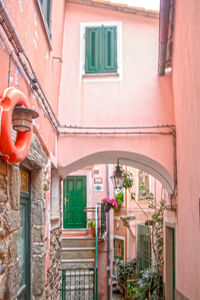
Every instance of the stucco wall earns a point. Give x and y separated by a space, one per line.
140 97
29 26
186 66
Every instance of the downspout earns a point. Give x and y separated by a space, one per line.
108 224
163 34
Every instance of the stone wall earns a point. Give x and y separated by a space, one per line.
45 245
53 275
9 224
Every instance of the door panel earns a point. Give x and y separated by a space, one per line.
23 241
74 202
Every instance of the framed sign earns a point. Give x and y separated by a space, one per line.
98 180
98 187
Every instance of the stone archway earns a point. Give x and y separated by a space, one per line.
136 160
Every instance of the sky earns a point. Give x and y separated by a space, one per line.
148 4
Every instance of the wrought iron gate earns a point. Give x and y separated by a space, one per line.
78 283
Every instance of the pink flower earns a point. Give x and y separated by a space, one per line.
110 202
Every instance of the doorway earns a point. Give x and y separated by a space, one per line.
23 241
170 264
74 202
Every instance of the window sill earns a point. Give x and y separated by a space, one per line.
101 77
45 26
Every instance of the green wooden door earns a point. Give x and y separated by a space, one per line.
23 240
74 202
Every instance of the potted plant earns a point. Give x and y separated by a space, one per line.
109 203
91 225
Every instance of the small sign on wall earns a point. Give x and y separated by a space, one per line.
98 187
98 180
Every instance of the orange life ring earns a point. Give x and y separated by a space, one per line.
11 151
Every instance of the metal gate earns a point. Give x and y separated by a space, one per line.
78 284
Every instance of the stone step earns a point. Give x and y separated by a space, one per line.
77 242
82 253
74 265
76 233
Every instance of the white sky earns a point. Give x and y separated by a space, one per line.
148 4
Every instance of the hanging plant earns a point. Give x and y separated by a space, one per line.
119 197
109 203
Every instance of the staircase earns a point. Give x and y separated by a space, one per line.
78 250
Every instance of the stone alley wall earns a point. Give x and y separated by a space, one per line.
45 246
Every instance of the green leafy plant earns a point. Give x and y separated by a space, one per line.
127 270
119 197
150 285
91 223
131 289
128 179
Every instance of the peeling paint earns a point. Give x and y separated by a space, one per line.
35 39
35 17
21 5
46 56
17 75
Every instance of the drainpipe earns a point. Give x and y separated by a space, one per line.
13 34
108 222
163 34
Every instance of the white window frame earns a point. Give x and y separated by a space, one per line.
103 76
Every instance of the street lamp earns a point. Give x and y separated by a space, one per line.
118 177
22 118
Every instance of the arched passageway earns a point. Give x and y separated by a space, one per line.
135 160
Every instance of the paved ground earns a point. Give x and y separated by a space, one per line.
117 297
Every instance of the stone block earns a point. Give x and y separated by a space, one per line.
15 188
39 249
11 218
2 285
37 185
12 246
36 157
3 247
38 234
38 275
37 213
3 196
2 267
12 281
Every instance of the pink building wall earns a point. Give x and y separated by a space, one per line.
139 97
40 49
185 77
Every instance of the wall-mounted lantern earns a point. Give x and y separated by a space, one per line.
15 113
118 177
22 118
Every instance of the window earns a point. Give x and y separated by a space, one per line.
142 178
101 49
46 10
118 249
143 247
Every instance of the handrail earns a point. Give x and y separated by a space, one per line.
96 241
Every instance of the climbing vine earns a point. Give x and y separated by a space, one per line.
150 284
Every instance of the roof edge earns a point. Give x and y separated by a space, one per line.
118 7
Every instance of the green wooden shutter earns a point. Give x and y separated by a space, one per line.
109 49
92 50
143 248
